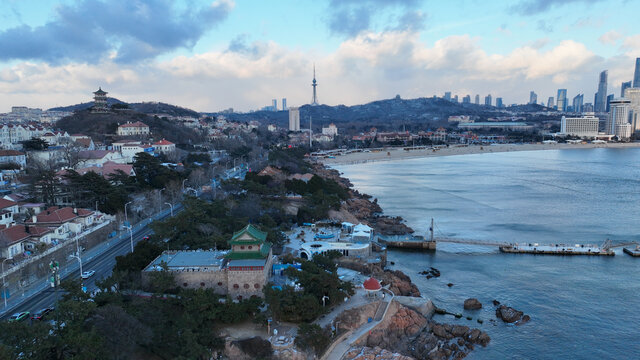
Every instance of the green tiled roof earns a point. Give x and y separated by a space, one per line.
245 242
243 255
253 231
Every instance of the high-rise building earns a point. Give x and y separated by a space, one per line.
477 99
625 86
455 99
584 126
550 103
499 102
601 96
633 95
294 119
487 100
314 84
636 74
466 99
577 103
447 96
562 100
618 119
533 97
587 108
609 98
274 104
284 104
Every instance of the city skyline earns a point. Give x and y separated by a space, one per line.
211 56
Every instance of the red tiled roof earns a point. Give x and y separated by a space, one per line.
10 153
86 142
108 168
163 142
17 233
135 124
4 203
55 215
93 154
372 284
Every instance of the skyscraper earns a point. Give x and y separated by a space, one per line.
487 100
294 119
274 104
466 99
447 96
609 98
618 119
577 103
284 104
533 97
550 103
636 74
633 95
314 84
499 102
625 86
562 100
477 99
601 95
455 99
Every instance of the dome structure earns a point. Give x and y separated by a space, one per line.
372 284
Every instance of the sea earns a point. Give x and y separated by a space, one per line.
581 307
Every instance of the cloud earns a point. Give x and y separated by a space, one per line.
351 17
610 37
533 7
128 30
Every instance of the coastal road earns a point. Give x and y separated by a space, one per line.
102 264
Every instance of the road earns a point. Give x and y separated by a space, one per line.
102 264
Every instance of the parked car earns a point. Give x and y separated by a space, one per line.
40 315
88 274
19 316
146 237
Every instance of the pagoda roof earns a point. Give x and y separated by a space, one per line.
253 231
100 92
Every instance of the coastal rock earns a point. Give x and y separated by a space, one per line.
508 314
404 324
399 283
373 353
354 318
525 319
496 302
391 226
472 304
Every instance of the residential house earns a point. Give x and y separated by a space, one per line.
164 146
107 169
133 129
16 239
64 221
98 157
13 157
129 151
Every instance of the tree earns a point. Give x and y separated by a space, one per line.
312 336
120 331
35 144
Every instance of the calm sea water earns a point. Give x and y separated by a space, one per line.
581 307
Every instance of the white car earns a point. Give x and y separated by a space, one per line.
88 274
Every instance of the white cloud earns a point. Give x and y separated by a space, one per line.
610 37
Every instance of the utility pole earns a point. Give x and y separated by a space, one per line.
310 133
431 230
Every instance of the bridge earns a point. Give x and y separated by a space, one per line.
469 241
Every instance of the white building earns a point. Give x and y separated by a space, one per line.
164 146
618 115
294 119
133 129
331 130
584 126
633 95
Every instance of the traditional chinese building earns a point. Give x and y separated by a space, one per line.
240 273
100 101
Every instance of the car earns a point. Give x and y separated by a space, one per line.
19 316
88 274
40 315
146 237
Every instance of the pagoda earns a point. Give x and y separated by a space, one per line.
100 101
248 246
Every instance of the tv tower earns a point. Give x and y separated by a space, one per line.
314 83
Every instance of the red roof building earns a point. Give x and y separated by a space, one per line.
372 284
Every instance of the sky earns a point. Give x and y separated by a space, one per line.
241 54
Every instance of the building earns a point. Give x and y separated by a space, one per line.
499 102
294 119
550 103
584 126
284 104
625 85
13 157
330 131
533 97
108 169
137 128
447 95
487 100
164 147
636 74
455 99
100 101
16 239
633 95
240 273
601 96
477 100
610 97
509 126
98 157
561 100
577 103
460 119
274 104
618 119
466 99
129 151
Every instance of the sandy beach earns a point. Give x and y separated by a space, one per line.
388 154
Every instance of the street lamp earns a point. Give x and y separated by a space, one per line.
183 184
126 220
4 288
324 298
78 254
170 206
130 236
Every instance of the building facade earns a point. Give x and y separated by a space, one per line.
584 126
133 129
561 100
619 119
601 96
294 119
633 95
100 101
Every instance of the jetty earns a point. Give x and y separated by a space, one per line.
635 252
558 249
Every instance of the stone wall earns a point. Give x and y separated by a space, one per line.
216 280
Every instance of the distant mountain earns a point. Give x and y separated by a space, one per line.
384 113
144 107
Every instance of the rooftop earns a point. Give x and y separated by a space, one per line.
178 260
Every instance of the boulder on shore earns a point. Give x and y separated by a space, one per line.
472 304
509 314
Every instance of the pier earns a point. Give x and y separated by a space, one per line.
635 252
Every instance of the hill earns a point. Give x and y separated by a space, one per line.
143 107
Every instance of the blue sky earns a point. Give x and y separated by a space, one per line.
214 55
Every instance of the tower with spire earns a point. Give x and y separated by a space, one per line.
100 101
314 84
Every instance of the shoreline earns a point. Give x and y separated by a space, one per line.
398 153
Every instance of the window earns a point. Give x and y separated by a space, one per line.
242 247
246 286
257 286
184 284
236 286
250 247
219 283
201 284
